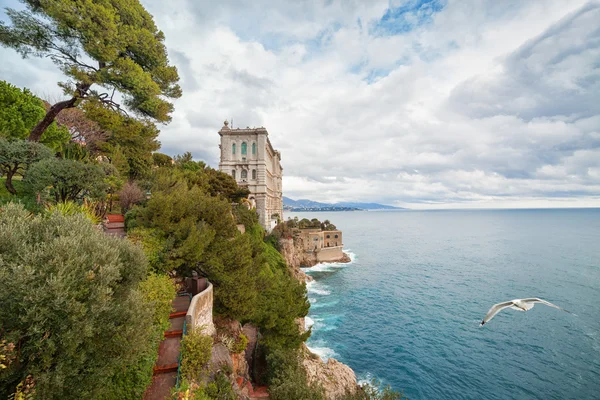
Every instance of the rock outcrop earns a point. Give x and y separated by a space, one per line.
295 257
337 379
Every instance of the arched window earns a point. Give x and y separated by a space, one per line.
233 148
253 148
244 173
233 172
253 174
336 236
328 236
244 148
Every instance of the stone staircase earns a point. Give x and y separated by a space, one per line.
165 370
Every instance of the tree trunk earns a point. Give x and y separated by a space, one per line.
40 128
8 183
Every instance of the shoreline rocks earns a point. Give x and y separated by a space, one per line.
336 378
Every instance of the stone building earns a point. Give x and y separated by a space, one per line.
248 156
325 245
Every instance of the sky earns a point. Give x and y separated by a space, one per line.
413 103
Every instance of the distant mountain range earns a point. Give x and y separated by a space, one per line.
309 205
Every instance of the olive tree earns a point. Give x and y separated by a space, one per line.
67 180
16 157
71 304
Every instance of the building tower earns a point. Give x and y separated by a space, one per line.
248 156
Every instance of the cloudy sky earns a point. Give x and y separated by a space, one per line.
423 104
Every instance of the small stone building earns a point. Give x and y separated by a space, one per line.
327 245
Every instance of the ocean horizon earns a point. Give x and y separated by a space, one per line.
406 309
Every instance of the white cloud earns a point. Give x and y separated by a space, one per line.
477 104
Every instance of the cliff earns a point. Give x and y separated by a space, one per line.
336 378
295 257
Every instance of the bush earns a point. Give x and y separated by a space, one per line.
287 377
158 292
240 344
68 180
71 208
154 245
131 381
17 156
130 195
220 388
196 350
70 303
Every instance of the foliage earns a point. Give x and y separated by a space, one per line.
20 111
220 388
71 208
161 160
281 299
154 245
222 184
7 354
74 151
17 156
190 391
196 351
130 382
81 317
67 180
240 344
114 45
158 291
372 391
24 196
130 195
81 128
287 377
188 226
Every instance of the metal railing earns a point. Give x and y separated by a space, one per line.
180 358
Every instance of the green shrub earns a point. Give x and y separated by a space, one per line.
158 292
287 377
67 179
81 317
240 344
196 350
220 388
154 245
16 157
71 208
132 380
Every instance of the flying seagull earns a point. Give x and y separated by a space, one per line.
517 304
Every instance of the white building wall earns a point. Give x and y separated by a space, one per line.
266 189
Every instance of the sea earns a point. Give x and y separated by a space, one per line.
406 310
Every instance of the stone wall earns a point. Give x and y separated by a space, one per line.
330 254
199 314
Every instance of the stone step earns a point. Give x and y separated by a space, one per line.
160 389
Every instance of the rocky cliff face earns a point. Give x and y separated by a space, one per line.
337 379
295 257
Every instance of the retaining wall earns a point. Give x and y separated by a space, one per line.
199 314
327 254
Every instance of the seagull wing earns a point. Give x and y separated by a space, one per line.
534 300
496 308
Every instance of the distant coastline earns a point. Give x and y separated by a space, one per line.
306 209
310 205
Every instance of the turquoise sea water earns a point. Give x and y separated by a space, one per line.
406 310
